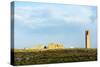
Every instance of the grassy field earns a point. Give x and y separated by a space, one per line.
47 56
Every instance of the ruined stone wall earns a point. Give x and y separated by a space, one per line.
55 46
40 46
50 46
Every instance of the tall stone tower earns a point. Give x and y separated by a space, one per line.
87 39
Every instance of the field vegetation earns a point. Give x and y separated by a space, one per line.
47 56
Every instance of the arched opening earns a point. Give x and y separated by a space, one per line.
45 47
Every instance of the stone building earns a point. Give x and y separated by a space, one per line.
50 46
55 46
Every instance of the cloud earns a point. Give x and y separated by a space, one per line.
77 19
42 15
81 15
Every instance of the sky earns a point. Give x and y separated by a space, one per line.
44 23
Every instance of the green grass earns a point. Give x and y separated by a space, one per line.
46 56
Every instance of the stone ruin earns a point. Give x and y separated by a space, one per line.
50 46
55 46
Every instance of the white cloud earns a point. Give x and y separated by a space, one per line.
72 47
40 16
75 19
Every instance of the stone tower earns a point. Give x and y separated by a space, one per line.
87 39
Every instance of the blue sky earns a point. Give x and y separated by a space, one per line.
43 23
